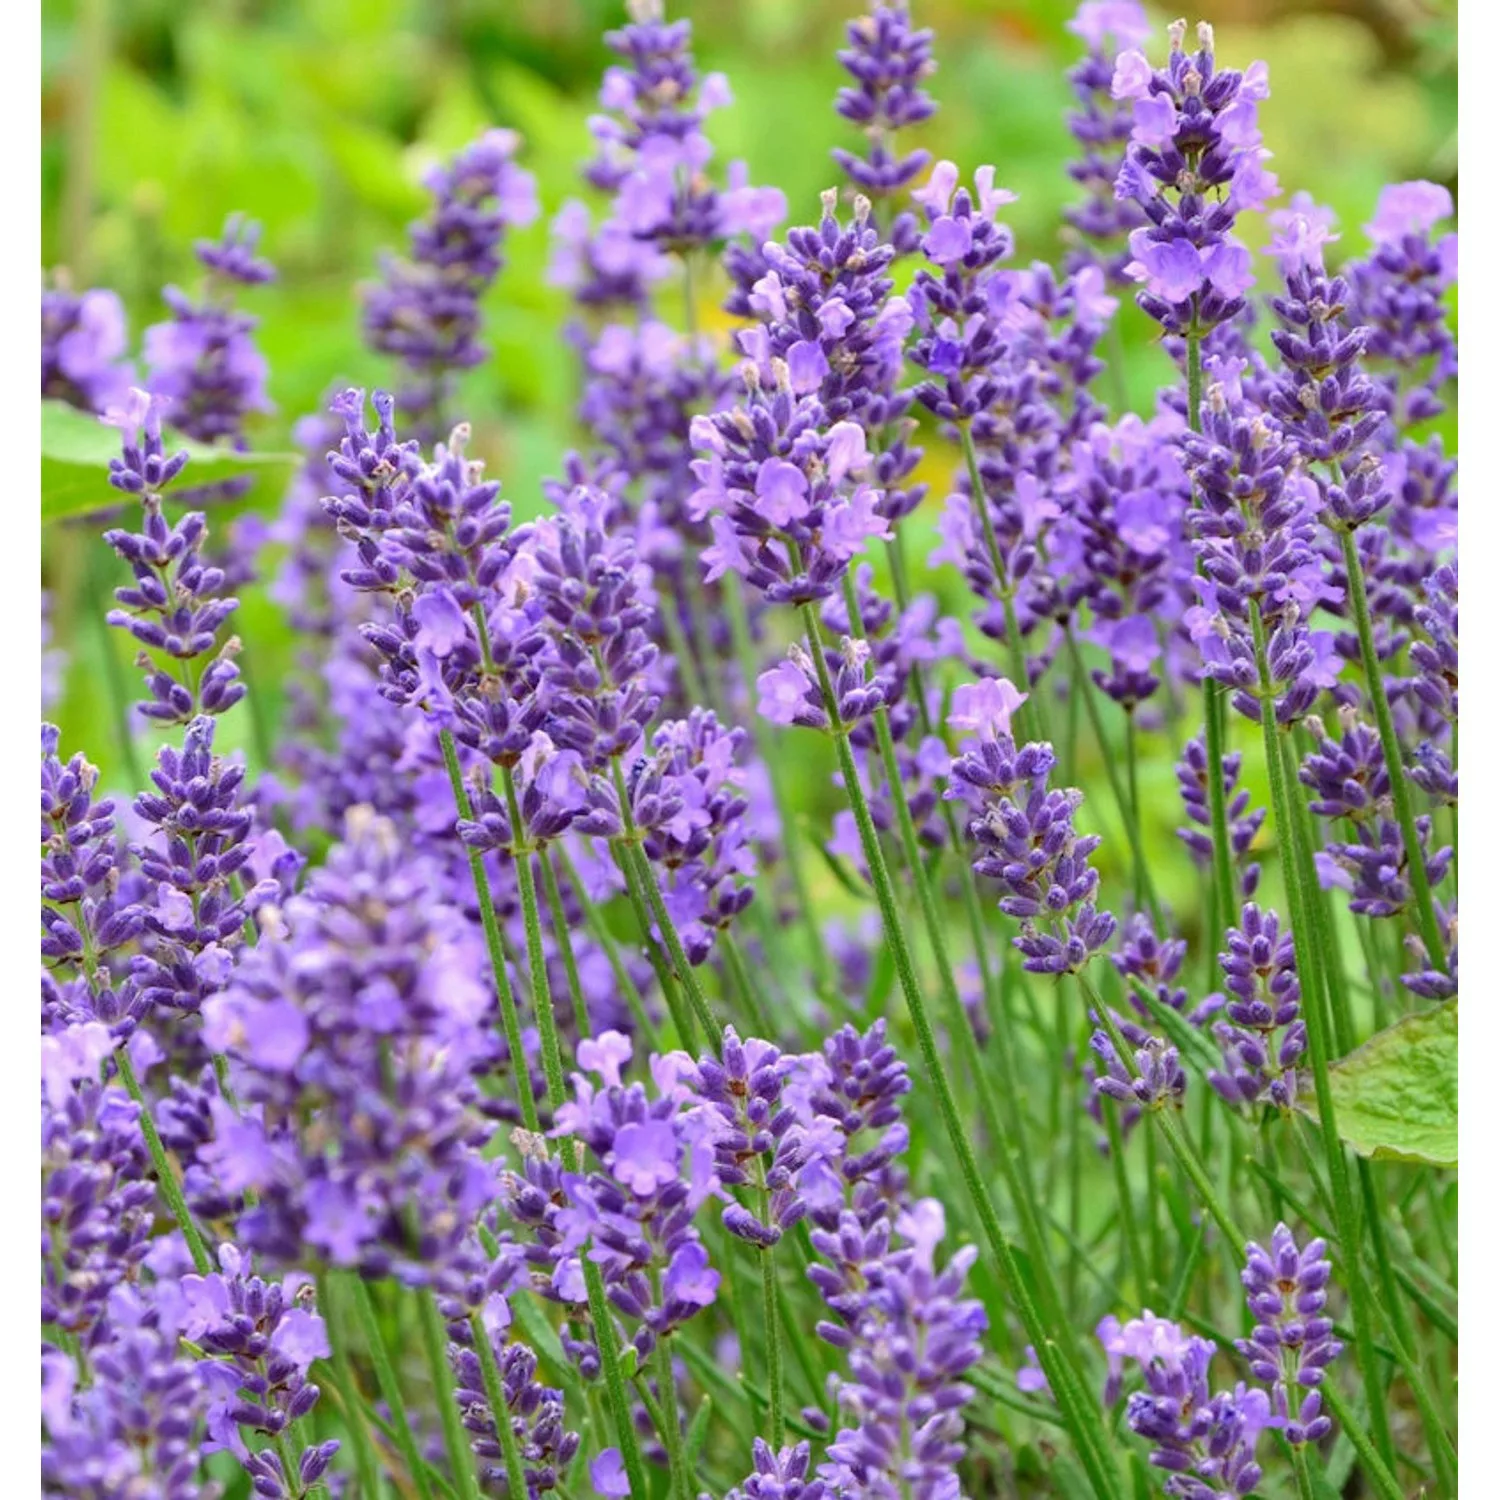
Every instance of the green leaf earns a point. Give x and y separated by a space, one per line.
1396 1098
77 448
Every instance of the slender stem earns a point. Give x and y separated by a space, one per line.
770 1310
536 958
558 916
748 986
1302 1471
1416 864
455 1439
824 976
614 1378
980 503
670 1424
599 931
1376 1469
508 1015
166 1172
390 1387
1127 1203
682 1021
1126 803
1311 974
683 970
114 683
494 1390
1213 692
1218 811
1079 1412
366 1460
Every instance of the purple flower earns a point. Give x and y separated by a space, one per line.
909 1338
83 348
395 1011
1024 838
607 1475
261 1338
425 311
889 60
91 916
1292 1342
176 605
1210 1438
1408 208
1192 164
1398 293
203 362
1263 1037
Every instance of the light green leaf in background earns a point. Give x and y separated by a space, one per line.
77 448
1396 1098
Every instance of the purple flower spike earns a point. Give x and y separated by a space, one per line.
1263 1036
889 60
83 347
1399 293
1209 1440
780 1476
176 606
1194 162
1024 834
1102 125
425 311
1292 1343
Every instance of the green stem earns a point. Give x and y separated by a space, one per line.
114 683
614 1379
1302 1471
1218 811
1376 1469
599 931
508 1015
770 1310
390 1387
746 983
1126 804
683 971
1311 975
1127 1203
494 1390
1416 864
536 958
682 1021
670 1424
558 916
455 1439
166 1172
1013 642
366 1460
1078 1410
824 975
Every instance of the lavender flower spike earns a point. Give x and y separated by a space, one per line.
1292 1343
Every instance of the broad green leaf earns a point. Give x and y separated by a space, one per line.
77 448
1396 1098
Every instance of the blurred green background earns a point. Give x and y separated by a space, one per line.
319 118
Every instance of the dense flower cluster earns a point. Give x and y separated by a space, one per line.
522 839
424 311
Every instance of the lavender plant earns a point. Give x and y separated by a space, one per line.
697 1000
